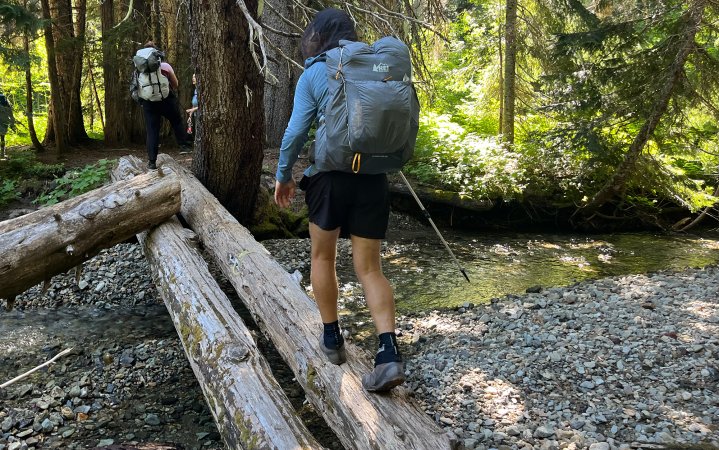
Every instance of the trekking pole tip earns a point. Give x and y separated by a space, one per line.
465 275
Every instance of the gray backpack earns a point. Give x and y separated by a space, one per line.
148 81
372 115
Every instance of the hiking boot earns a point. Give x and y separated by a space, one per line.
151 165
185 149
336 357
384 377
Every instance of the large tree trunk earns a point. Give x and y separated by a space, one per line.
124 123
617 183
36 246
280 306
228 144
278 96
248 405
68 39
29 94
56 119
510 58
115 129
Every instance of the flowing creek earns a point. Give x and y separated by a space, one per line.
423 274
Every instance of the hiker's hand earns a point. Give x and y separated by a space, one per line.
284 193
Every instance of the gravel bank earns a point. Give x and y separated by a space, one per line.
625 362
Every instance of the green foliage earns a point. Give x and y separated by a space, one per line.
8 192
607 73
474 166
17 172
77 182
465 76
23 164
15 20
12 78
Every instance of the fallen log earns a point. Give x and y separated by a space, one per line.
442 197
361 420
51 240
249 407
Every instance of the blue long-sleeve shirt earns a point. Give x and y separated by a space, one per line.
309 104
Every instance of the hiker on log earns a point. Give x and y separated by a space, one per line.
341 204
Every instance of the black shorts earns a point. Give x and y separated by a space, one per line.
356 203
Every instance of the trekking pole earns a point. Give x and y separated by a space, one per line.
431 222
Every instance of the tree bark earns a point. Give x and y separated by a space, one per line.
68 37
279 96
124 123
510 57
56 119
248 405
228 144
617 183
36 246
280 306
114 127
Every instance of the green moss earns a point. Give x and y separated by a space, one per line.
248 439
192 335
272 222
311 376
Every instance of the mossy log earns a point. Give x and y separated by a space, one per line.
51 240
433 195
247 403
286 314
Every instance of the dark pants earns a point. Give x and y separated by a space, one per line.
154 112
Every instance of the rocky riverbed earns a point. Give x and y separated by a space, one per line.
622 362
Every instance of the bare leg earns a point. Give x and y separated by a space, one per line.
323 274
377 290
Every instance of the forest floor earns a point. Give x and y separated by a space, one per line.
93 152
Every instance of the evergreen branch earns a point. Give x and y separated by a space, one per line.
589 18
617 183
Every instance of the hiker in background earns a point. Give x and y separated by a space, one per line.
340 204
156 91
192 112
7 122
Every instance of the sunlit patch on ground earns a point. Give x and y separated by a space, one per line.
578 261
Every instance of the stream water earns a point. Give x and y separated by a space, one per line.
426 277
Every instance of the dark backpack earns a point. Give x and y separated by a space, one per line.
371 119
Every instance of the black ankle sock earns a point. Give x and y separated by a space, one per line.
388 349
332 336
